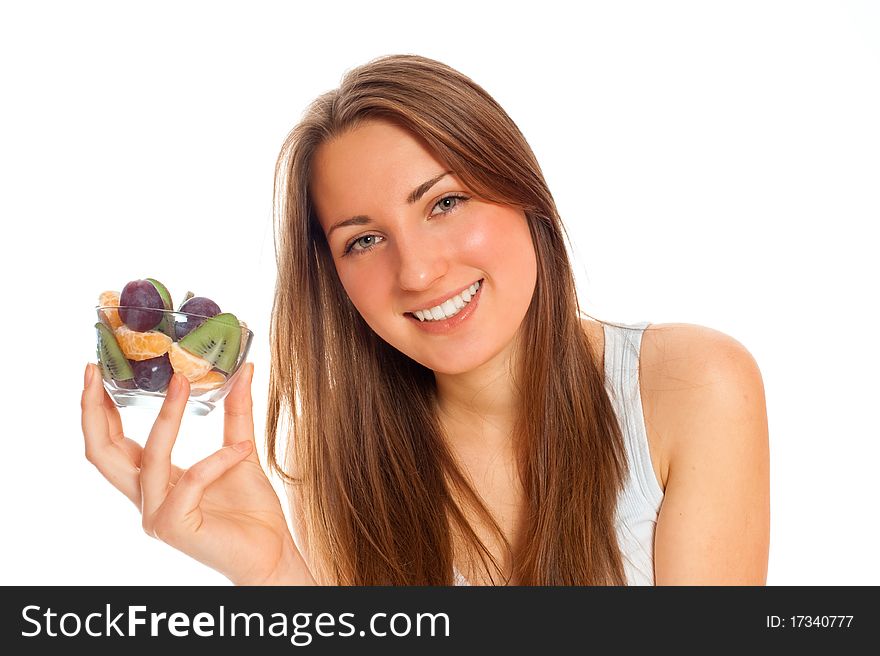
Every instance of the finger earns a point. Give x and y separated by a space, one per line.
183 501
95 427
238 409
114 464
156 458
113 419
132 448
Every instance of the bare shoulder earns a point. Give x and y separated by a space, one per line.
690 348
691 374
705 411
682 368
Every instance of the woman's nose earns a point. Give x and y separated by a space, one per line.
420 262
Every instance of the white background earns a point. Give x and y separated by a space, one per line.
715 163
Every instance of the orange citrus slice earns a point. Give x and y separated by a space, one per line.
187 364
142 346
211 380
111 314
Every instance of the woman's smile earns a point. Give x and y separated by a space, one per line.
448 305
451 314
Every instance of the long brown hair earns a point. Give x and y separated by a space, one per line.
364 455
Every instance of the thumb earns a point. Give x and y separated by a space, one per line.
238 408
184 498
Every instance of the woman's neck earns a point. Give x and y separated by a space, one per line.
479 405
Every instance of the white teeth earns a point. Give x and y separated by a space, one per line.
450 307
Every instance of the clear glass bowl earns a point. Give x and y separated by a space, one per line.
142 380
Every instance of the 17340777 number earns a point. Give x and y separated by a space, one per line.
810 621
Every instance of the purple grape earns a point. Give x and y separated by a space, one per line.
140 294
200 305
152 375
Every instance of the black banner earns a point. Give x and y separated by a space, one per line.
434 620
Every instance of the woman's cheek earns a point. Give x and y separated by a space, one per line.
361 288
501 241
478 242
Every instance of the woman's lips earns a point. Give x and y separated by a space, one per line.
446 325
440 300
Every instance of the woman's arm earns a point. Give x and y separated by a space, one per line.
714 523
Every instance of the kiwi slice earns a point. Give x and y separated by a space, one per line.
113 362
218 340
166 325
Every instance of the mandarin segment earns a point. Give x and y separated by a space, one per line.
187 364
109 300
139 346
211 380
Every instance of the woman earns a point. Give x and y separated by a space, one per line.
438 408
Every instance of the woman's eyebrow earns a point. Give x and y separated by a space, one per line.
420 191
413 197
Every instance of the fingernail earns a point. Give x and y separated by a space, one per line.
242 446
87 377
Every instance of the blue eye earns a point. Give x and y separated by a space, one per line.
454 197
350 247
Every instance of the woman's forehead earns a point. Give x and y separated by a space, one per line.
368 165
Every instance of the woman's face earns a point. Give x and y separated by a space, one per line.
406 238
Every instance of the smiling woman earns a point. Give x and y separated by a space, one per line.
447 410
439 409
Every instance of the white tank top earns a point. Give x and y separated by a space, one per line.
639 502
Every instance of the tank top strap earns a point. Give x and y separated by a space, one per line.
622 353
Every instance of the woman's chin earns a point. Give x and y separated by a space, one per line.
452 364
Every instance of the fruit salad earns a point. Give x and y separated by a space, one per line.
142 340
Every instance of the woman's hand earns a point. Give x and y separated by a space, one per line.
222 511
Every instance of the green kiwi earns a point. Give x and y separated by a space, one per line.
166 325
113 362
218 340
